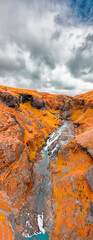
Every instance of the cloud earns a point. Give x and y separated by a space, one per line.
81 62
47 45
56 35
90 38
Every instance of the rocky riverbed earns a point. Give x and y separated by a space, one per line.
38 219
46 165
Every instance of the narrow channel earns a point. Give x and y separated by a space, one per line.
42 188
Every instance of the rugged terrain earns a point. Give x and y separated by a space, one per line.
26 120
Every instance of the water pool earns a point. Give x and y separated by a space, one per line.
39 236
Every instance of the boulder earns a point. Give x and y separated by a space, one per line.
14 164
37 103
24 97
9 100
89 177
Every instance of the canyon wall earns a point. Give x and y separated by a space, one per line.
26 120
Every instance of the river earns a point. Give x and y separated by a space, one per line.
40 212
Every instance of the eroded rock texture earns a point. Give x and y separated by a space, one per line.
73 181
26 120
89 177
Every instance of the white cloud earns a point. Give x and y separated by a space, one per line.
45 47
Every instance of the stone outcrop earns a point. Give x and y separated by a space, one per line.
89 177
14 157
26 120
6 231
72 193
73 180
37 103
23 130
85 140
9 99
23 98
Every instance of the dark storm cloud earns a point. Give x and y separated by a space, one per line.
61 85
81 62
56 35
90 38
39 50
78 64
8 66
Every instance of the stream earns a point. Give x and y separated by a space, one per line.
38 217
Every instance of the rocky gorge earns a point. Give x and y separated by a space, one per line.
46 165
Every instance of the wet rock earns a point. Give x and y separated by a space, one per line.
90 213
89 177
66 115
25 98
37 103
55 152
21 135
67 108
64 137
9 99
52 146
17 235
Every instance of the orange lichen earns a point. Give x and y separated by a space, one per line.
6 231
70 189
76 114
23 131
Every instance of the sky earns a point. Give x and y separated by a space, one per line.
47 45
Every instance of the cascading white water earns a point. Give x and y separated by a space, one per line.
40 223
42 189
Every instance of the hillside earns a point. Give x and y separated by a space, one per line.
26 120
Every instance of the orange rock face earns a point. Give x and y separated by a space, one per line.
26 120
25 124
72 183
6 231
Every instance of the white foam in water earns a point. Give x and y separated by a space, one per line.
40 223
52 138
28 224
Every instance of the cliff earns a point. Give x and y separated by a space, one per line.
73 182
26 120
